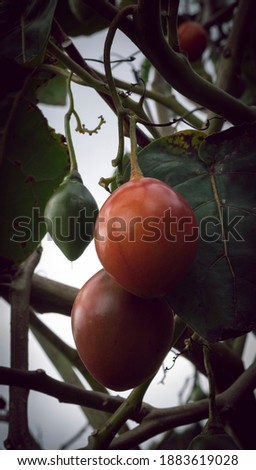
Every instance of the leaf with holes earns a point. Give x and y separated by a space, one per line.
217 176
34 162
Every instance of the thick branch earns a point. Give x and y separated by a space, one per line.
52 296
19 436
229 67
41 382
227 368
153 420
173 67
177 71
161 420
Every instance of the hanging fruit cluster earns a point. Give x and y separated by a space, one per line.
146 237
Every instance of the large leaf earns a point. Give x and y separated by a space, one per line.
76 18
25 27
34 162
217 176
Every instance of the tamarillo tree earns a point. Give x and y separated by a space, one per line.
176 236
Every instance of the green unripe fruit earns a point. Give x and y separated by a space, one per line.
70 216
208 440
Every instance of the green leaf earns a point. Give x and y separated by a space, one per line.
52 90
76 18
34 162
217 176
25 29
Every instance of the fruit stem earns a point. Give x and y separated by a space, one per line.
68 115
135 168
117 162
121 111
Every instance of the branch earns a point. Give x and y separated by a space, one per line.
90 76
177 71
174 67
51 296
19 436
227 368
229 67
161 420
48 295
39 381
67 351
153 420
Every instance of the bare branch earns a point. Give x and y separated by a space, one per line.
160 420
41 382
153 420
19 436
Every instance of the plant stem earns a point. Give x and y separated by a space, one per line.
106 55
117 162
75 67
135 169
68 115
173 8
73 60
111 83
229 68
100 439
169 101
213 413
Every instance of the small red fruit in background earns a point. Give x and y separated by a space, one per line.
192 39
121 339
146 237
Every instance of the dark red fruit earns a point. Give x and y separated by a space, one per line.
146 237
121 339
192 39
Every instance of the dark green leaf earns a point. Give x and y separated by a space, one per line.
34 162
76 18
217 176
25 30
